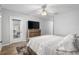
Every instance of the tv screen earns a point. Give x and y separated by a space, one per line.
33 25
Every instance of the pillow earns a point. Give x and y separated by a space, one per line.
76 43
67 43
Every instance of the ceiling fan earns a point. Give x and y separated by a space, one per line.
44 11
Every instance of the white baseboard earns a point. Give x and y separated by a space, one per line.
16 41
12 42
6 44
0 48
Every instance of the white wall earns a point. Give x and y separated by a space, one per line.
0 31
6 28
0 24
46 25
66 23
0 27
7 15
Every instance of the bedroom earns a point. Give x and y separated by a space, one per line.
55 21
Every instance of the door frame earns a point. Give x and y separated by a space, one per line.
12 40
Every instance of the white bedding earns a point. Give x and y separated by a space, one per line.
44 45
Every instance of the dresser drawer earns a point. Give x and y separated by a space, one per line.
33 33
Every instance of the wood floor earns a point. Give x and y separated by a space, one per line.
11 49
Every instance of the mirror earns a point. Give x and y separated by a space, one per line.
16 28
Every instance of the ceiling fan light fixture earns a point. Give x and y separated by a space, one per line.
44 13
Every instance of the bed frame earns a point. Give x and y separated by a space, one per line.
30 51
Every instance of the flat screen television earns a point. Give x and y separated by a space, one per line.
33 25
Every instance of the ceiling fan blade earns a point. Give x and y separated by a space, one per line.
33 11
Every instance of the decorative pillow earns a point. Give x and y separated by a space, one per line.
67 43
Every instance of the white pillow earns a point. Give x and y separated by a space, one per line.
67 43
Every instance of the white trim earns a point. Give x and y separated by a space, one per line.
12 42
0 46
16 41
6 44
0 49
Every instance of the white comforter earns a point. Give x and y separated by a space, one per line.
44 45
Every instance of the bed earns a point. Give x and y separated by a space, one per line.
47 45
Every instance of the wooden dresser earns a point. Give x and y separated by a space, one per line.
34 32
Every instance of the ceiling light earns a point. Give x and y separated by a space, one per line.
44 13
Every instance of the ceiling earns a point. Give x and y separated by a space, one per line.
36 8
